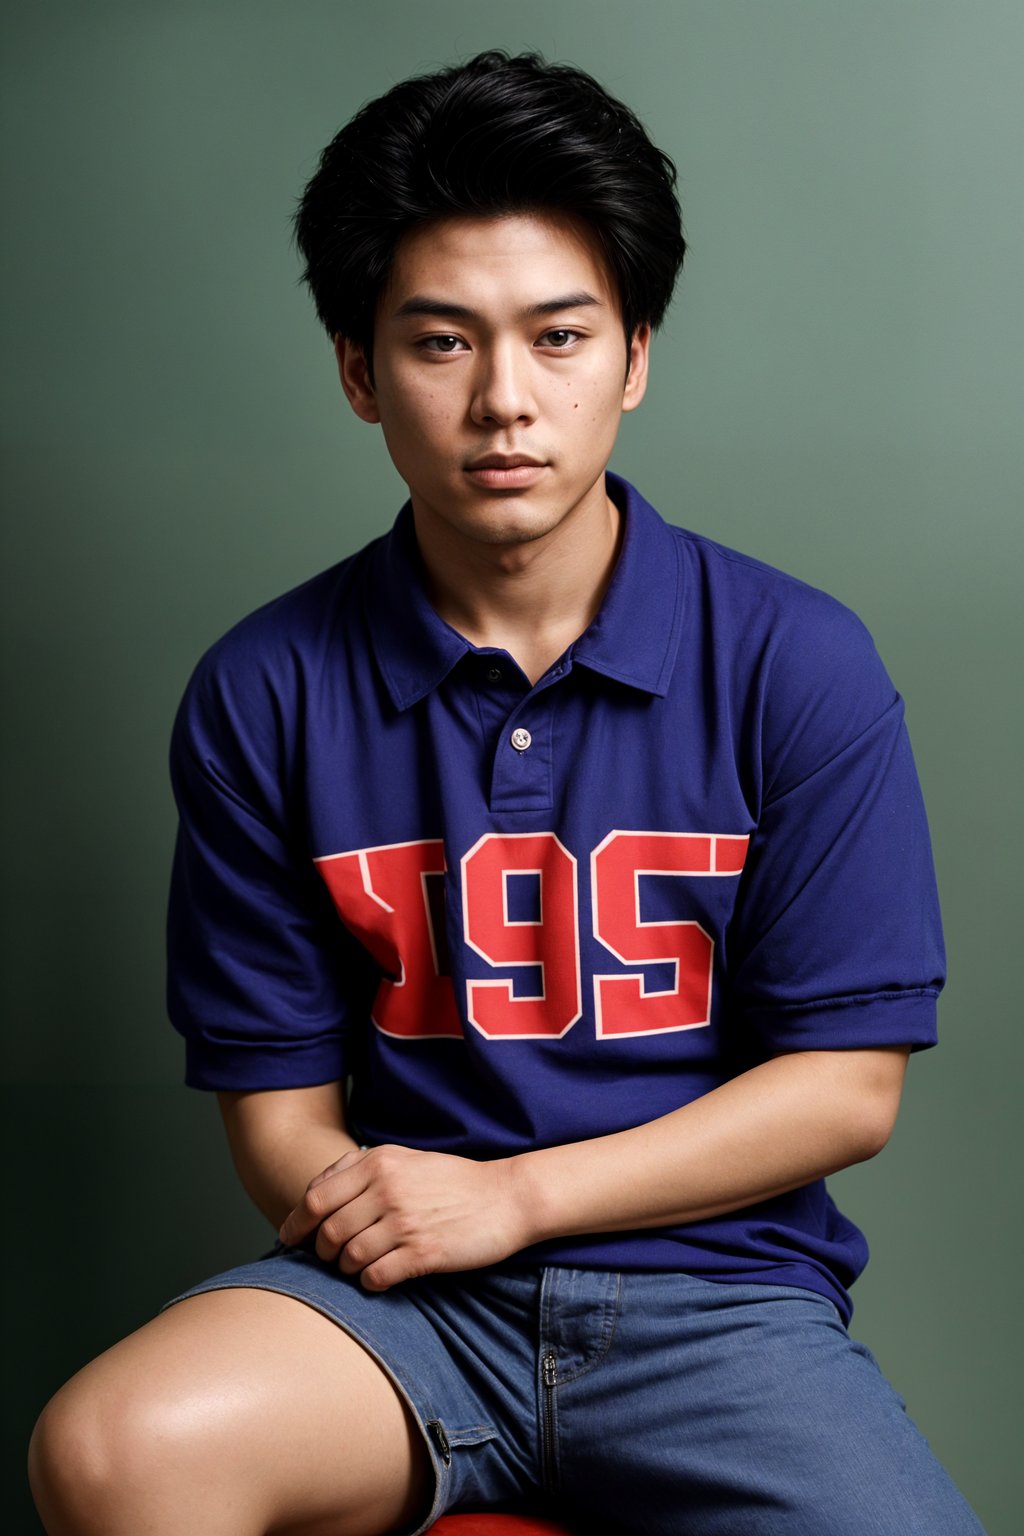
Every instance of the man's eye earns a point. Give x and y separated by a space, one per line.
559 339
440 343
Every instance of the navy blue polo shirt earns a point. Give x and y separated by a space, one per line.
517 916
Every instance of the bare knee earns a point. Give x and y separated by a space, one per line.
102 1454
69 1462
236 1411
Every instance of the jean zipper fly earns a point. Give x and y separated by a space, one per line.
549 1366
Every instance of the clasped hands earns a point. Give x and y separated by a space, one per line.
391 1213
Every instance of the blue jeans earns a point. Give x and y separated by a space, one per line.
646 1403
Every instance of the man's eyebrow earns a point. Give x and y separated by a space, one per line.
446 309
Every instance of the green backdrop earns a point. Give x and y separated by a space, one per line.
837 391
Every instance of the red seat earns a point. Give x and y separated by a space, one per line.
485 1524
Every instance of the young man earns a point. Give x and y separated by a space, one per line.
592 854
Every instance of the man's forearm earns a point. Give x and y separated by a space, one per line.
281 1139
392 1213
779 1126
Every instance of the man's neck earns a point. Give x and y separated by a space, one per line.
531 599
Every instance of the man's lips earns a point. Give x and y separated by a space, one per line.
503 461
505 471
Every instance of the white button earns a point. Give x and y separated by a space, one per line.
521 739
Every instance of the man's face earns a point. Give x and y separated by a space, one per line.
497 340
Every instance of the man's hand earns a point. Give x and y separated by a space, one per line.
393 1213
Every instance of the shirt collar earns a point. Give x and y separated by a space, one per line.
633 639
635 636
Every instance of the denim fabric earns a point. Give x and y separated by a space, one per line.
647 1403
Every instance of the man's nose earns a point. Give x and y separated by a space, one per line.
503 392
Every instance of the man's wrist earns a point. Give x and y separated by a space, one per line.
529 1198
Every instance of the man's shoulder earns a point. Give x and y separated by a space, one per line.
747 575
727 584
250 683
781 648
763 608
801 660
297 627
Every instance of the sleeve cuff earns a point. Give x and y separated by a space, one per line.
241 1067
850 1023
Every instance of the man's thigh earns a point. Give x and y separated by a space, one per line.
236 1409
703 1409
459 1350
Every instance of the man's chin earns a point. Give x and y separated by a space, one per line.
511 531
506 519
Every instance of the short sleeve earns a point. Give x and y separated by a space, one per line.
837 939
264 983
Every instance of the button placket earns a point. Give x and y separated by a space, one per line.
521 777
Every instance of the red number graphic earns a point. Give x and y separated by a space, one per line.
381 895
622 1004
551 942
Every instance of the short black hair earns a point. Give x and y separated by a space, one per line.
496 135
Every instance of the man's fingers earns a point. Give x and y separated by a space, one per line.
382 1275
324 1195
337 1167
394 1266
349 1223
372 1247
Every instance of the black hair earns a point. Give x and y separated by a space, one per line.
496 135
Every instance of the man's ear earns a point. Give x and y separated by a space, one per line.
355 378
636 379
